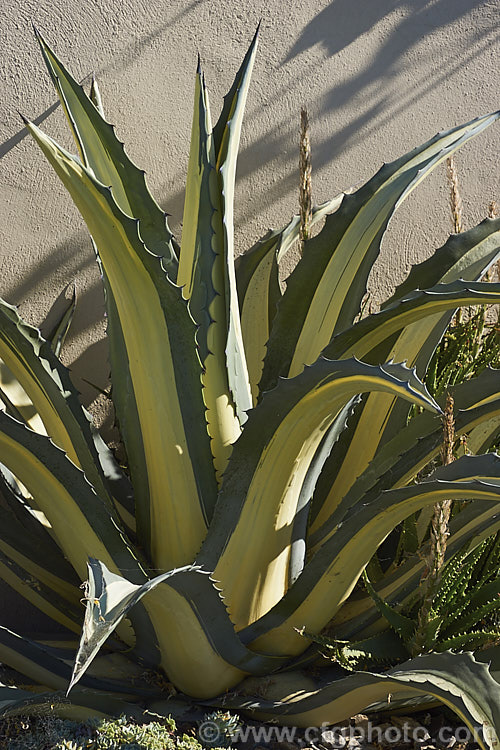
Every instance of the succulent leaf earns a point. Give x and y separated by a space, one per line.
458 680
361 339
55 327
103 154
257 275
202 278
415 447
262 483
173 605
330 575
462 257
47 384
80 519
174 461
227 139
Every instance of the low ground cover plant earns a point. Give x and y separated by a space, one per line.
52 733
269 451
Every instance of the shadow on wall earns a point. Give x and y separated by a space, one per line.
372 85
344 21
334 29
126 58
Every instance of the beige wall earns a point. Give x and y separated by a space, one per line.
378 77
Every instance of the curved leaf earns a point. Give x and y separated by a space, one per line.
191 625
464 256
46 382
15 702
468 256
262 484
80 520
359 617
42 594
457 680
400 460
44 666
298 542
26 541
330 576
365 336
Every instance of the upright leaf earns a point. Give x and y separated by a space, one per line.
173 476
104 155
257 276
58 321
201 276
227 140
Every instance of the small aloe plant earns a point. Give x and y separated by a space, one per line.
259 481
464 615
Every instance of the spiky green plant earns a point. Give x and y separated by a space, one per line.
260 482
465 614
472 343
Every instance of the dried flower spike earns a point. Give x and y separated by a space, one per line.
305 178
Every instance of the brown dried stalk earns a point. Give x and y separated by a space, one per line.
447 456
305 179
438 538
455 197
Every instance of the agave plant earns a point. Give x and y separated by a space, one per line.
259 482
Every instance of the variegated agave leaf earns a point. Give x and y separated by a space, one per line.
458 680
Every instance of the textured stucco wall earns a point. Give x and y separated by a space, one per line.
378 77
